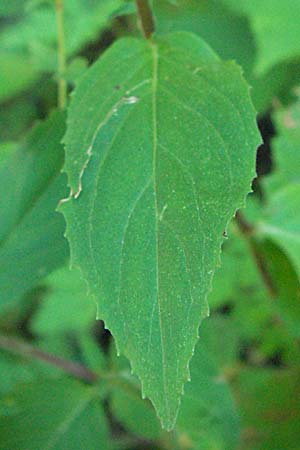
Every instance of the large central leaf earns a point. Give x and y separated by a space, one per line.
160 153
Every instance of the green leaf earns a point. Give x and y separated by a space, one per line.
17 116
286 282
16 74
75 69
281 222
219 24
13 7
91 351
20 368
286 147
31 232
135 414
208 417
269 402
6 148
274 84
266 325
236 257
213 22
65 414
160 153
29 45
275 25
13 372
66 306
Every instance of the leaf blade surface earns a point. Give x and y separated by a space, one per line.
155 174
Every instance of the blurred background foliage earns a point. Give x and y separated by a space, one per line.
62 385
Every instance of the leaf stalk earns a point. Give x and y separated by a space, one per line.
248 231
61 54
23 349
146 18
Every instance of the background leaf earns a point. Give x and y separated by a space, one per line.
275 26
29 44
71 407
281 220
31 232
269 408
212 21
66 306
208 417
245 372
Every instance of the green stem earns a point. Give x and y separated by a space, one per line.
145 17
62 85
20 348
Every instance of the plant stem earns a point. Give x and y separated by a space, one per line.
145 17
133 442
20 348
248 232
23 349
61 53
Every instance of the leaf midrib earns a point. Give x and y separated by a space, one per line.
154 162
69 420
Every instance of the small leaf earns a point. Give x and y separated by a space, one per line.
208 417
286 284
17 117
160 153
269 402
64 413
31 232
215 23
16 74
136 414
275 25
13 7
29 44
282 222
285 147
219 24
66 306
228 289
276 83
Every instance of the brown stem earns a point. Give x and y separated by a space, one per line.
248 231
145 16
61 53
23 349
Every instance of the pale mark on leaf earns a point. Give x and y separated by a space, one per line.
198 69
108 116
134 88
161 215
131 100
125 100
